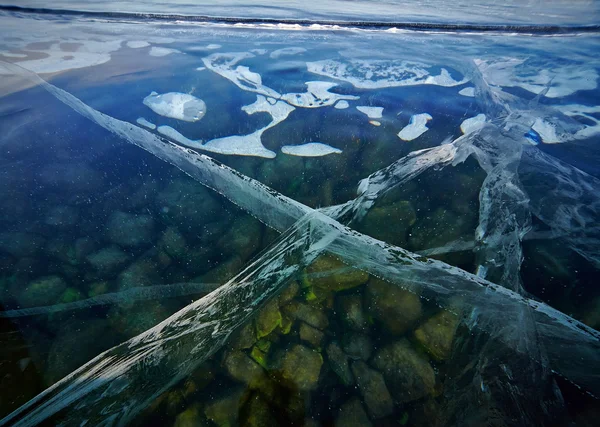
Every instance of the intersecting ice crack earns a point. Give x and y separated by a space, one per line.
140 369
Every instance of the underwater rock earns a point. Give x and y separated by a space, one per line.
191 417
243 238
436 335
71 177
373 389
62 216
70 295
97 288
75 344
173 243
133 320
397 309
269 318
224 409
242 368
389 223
21 245
352 414
223 272
329 273
357 346
62 250
244 338
142 272
311 335
107 261
257 412
42 291
288 293
188 205
83 247
338 361
438 228
351 313
301 366
408 375
306 313
130 230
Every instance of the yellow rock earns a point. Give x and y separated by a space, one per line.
327 272
437 334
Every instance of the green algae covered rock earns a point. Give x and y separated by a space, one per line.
437 334
70 295
329 273
191 417
408 375
352 414
397 309
338 362
224 409
42 291
389 223
311 335
269 318
173 243
351 313
301 366
257 412
306 313
242 368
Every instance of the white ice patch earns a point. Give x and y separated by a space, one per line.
341 105
200 68
239 145
375 122
563 80
137 44
590 113
259 51
472 124
242 77
311 149
547 131
85 54
143 122
162 51
371 112
415 128
13 55
468 91
317 95
376 74
176 105
213 46
287 51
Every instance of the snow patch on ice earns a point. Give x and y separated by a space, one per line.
311 149
371 112
143 122
287 51
377 74
176 105
468 91
213 46
562 80
13 55
375 122
472 124
590 113
317 95
137 44
341 105
415 128
259 51
162 51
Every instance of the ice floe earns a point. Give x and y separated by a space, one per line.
468 91
317 95
137 44
371 112
162 51
143 122
341 105
176 105
472 124
415 128
287 51
562 80
590 113
376 74
311 149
